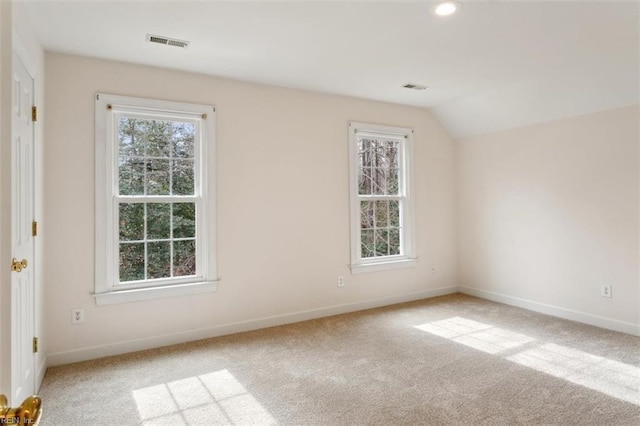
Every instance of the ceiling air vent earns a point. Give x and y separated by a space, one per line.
414 86
167 41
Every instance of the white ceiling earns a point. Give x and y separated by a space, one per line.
492 66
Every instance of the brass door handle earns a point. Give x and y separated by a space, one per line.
28 413
18 265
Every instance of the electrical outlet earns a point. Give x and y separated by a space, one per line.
77 316
340 281
605 290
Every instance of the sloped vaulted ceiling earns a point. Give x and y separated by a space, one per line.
492 66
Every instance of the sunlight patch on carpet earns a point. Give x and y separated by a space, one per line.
613 378
213 398
477 335
610 377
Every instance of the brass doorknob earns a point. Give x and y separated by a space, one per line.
28 413
18 265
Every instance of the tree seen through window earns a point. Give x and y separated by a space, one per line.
378 191
156 177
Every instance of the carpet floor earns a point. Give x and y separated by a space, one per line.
451 360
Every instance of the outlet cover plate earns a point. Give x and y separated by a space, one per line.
605 291
77 316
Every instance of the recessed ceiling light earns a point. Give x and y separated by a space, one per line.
446 8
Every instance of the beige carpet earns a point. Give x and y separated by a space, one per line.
453 360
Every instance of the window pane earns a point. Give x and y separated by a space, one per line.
381 214
159 259
366 214
157 135
364 152
394 241
147 148
380 155
156 157
382 242
364 181
379 181
183 173
380 219
131 176
378 167
394 214
158 177
367 243
158 221
184 258
392 186
130 137
131 262
184 220
391 153
183 140
131 221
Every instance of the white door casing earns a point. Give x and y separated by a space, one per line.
22 240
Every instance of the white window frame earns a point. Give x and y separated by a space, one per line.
406 258
107 289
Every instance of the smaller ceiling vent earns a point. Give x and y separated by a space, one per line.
414 86
167 41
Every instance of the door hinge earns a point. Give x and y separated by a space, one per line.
34 113
35 345
34 229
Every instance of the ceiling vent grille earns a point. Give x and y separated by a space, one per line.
414 86
167 41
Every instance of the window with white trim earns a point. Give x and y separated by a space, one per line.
381 206
155 209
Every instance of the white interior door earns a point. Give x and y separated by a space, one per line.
22 241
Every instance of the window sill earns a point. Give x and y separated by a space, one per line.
359 268
141 294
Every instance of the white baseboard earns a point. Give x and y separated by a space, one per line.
88 353
40 372
556 311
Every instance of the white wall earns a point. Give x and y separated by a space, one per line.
283 218
548 213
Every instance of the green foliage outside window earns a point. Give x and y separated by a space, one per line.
379 177
157 239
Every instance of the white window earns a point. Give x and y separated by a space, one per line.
155 200
381 208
